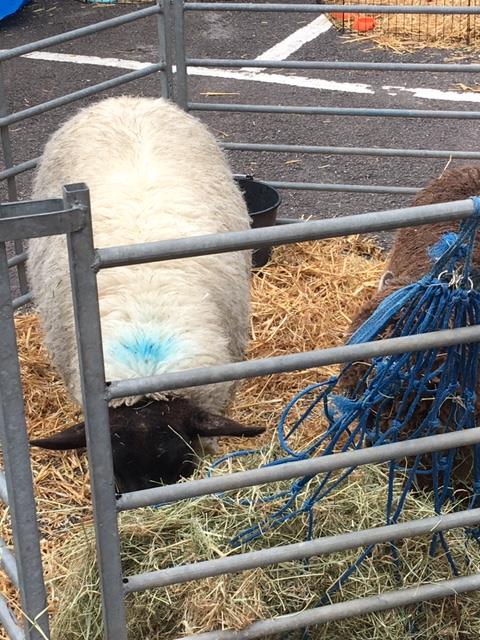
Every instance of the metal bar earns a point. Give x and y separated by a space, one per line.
18 474
181 65
231 63
8 563
68 36
299 551
95 409
348 609
18 168
354 151
301 232
9 622
77 95
292 362
11 182
30 207
289 470
20 257
165 47
3 489
345 188
326 8
287 221
334 111
37 225
5 138
21 301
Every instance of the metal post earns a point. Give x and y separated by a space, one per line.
18 474
165 44
95 408
181 85
11 182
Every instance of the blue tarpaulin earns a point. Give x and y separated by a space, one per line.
7 7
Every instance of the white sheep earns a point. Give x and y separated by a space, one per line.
154 173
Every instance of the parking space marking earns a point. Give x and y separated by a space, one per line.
294 41
423 93
117 63
269 78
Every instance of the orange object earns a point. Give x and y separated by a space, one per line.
363 23
343 17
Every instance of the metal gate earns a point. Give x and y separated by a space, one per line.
71 216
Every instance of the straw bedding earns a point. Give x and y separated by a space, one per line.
304 299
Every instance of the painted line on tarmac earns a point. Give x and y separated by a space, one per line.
422 93
294 41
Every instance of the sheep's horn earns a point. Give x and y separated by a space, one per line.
71 438
209 424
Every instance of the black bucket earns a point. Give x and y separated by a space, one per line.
262 203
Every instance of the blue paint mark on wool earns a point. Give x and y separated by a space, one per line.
143 351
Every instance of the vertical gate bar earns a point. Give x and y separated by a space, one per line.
95 408
164 27
181 85
11 181
18 473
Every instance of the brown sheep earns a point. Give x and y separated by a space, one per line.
408 262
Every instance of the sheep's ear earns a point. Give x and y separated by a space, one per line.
209 425
71 438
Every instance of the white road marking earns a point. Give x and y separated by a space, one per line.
117 63
294 41
435 94
422 93
289 81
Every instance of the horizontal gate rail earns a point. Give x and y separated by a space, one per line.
353 151
318 64
81 93
334 111
345 188
67 36
325 8
292 362
18 168
17 259
58 222
290 470
299 551
348 609
26 298
303 231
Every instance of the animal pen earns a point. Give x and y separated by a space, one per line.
71 216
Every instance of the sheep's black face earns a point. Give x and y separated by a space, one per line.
153 443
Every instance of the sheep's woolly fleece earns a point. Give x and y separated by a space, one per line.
154 173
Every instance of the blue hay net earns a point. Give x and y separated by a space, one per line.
395 397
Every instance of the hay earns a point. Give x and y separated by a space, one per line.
200 530
304 299
407 32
